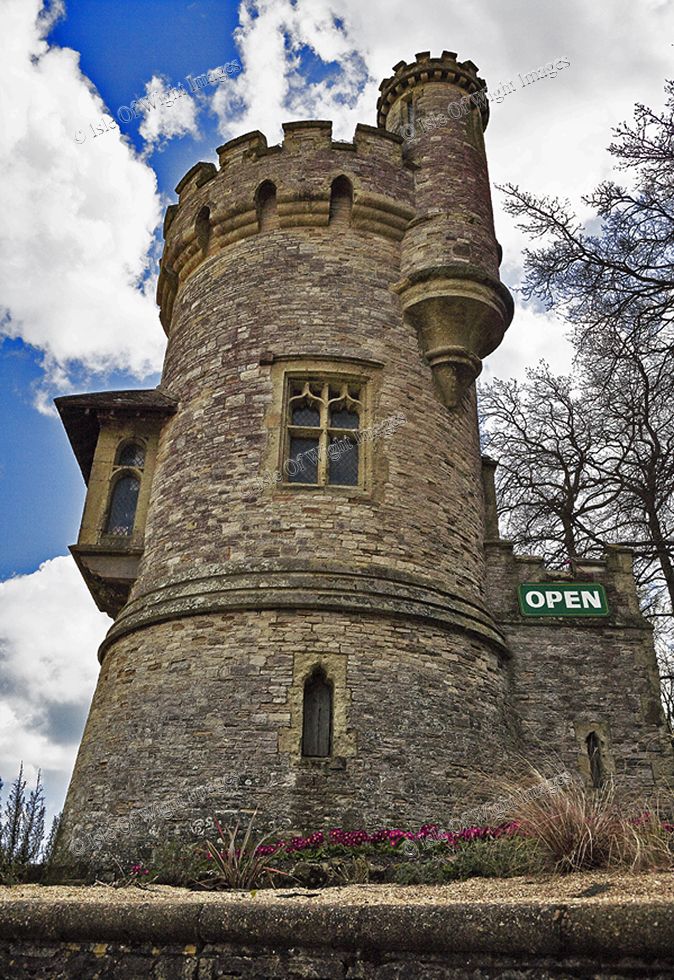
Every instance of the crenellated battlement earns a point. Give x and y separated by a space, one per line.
218 208
424 69
508 570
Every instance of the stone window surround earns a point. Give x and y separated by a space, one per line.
284 369
334 666
118 472
106 471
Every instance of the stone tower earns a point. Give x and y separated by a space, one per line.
290 531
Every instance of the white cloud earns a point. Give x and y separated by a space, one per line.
168 111
532 336
50 631
274 86
78 218
549 137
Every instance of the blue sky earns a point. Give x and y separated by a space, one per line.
42 488
80 235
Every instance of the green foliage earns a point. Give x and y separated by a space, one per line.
235 862
329 872
505 857
21 829
176 862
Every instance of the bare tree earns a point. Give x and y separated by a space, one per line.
589 459
623 276
543 433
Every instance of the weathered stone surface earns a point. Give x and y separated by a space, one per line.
41 939
246 584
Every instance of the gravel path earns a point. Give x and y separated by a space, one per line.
590 887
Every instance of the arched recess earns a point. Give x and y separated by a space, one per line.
341 202
265 205
202 228
594 754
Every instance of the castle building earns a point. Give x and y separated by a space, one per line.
295 533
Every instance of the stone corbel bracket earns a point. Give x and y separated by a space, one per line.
460 316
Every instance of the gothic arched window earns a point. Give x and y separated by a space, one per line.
593 744
123 503
131 454
323 444
317 716
341 201
265 205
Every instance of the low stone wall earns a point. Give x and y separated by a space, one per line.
206 938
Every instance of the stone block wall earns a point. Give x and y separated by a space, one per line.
573 676
213 701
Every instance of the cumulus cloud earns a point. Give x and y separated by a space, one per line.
79 212
549 136
280 42
49 633
168 111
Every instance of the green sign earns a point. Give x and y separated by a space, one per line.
562 599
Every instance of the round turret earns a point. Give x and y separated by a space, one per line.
449 288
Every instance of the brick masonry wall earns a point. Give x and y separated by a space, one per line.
454 221
210 961
320 292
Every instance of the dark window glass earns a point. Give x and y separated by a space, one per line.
343 418
304 413
343 461
132 454
302 464
317 716
596 764
123 506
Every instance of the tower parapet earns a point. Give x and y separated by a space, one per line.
302 170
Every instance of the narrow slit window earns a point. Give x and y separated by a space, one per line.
341 201
593 744
323 438
265 201
202 228
317 716
410 112
123 503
